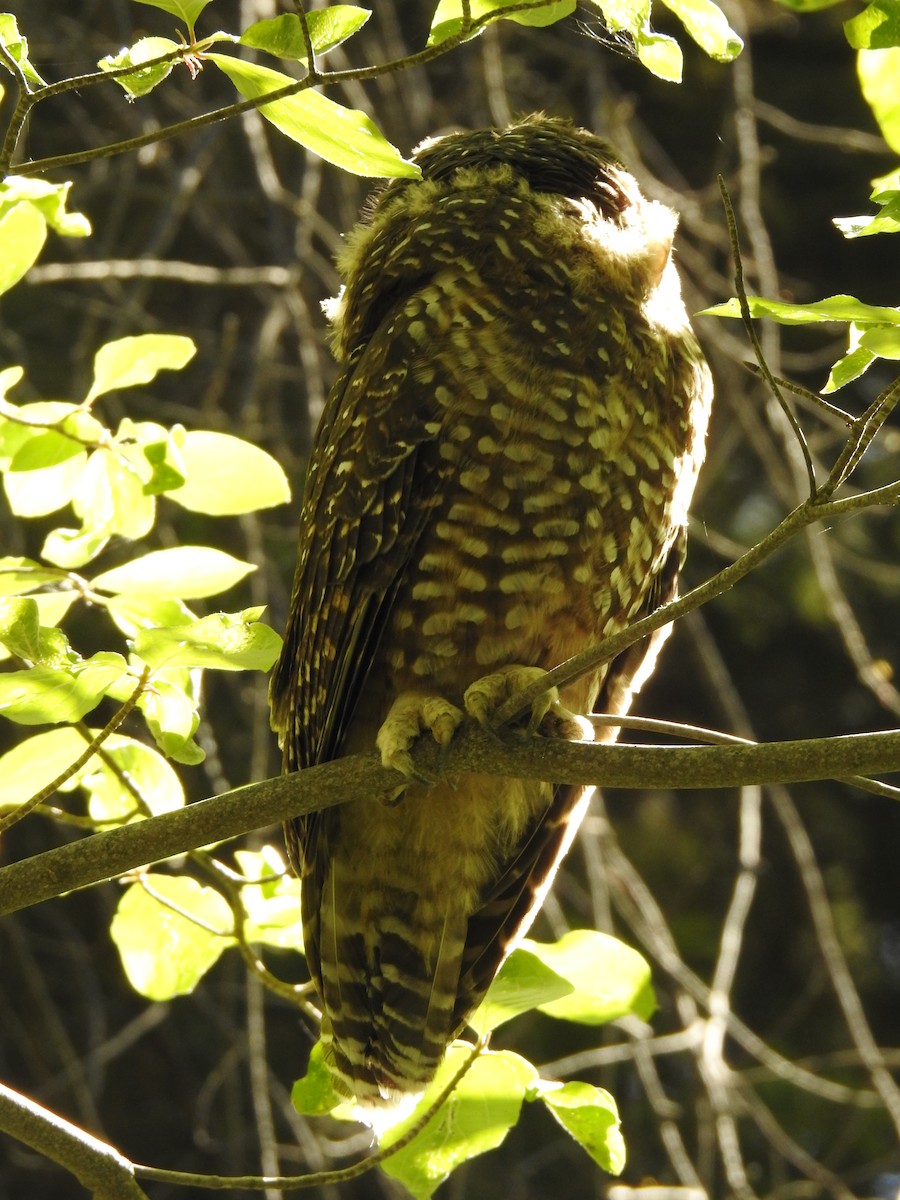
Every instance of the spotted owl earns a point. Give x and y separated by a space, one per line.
501 476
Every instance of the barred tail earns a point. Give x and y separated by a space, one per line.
390 981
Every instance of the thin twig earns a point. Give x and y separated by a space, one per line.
74 767
789 413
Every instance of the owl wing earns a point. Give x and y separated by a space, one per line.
374 478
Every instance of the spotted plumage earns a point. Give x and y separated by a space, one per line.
500 477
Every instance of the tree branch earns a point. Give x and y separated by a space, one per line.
99 1167
115 851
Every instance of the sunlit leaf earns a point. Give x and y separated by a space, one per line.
19 575
226 475
164 952
37 493
475 1119
131 361
37 761
188 572
273 905
708 26
144 79
170 710
448 18
49 199
883 340
848 368
223 641
328 27
590 1115
314 1094
808 5
521 984
186 10
876 27
132 613
661 55
17 48
22 635
878 72
136 766
343 136
48 695
73 548
834 308
44 450
608 978
23 232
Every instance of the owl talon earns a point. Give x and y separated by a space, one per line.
410 715
548 714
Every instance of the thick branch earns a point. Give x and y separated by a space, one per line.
116 851
99 1167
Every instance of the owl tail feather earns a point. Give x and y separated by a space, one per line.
392 1017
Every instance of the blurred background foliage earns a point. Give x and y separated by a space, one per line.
228 236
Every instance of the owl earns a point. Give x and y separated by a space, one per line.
501 476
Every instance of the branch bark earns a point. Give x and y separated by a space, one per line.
115 851
100 1168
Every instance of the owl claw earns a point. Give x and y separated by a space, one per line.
410 715
548 714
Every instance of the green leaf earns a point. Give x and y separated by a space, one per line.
886 194
22 635
883 340
17 47
223 641
9 377
37 761
590 1115
143 79
225 475
132 613
876 27
44 450
808 5
109 797
343 136
169 931
448 18
170 710
132 361
186 10
23 232
168 470
848 368
833 308
476 1118
19 575
661 55
49 199
70 548
49 695
708 26
110 497
186 572
37 493
879 71
273 905
521 984
328 27
314 1094
608 978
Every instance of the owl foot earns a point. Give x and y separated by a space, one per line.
548 714
411 714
